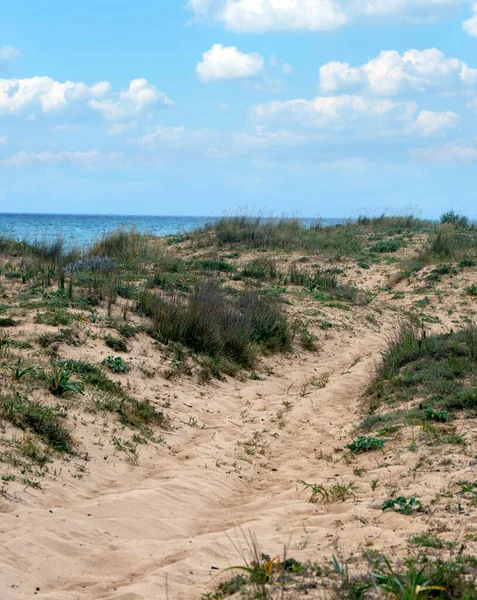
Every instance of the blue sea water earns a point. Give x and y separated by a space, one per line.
81 230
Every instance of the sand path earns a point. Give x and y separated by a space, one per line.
160 529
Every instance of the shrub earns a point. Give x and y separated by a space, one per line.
93 264
472 290
386 246
215 265
439 416
213 323
115 344
56 317
455 219
124 290
260 268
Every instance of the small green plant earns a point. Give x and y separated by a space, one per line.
60 383
116 364
439 416
19 369
130 450
7 322
471 290
426 541
115 344
365 444
338 492
387 246
56 317
94 317
402 505
469 491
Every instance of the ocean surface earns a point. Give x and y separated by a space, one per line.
81 230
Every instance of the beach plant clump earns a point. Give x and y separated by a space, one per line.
93 264
365 444
116 344
113 398
373 574
31 415
221 325
116 364
426 381
455 219
60 383
403 505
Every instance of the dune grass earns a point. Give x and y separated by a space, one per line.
221 325
33 416
427 381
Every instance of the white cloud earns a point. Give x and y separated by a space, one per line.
429 123
261 139
339 113
227 62
168 134
363 115
139 96
89 158
392 73
445 154
3 140
470 25
8 54
256 16
45 93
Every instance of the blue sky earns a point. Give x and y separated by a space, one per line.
204 107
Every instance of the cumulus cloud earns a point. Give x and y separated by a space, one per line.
430 123
227 62
139 96
8 54
89 158
45 93
338 113
256 16
470 25
392 73
367 115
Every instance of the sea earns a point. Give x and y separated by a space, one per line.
82 230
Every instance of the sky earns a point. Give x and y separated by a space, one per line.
314 108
